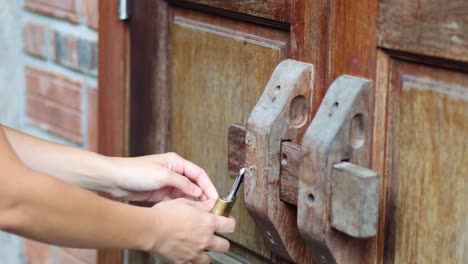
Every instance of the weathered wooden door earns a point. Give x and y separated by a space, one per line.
198 66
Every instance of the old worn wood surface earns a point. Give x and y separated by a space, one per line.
435 28
309 39
113 82
289 172
280 114
113 91
354 202
235 148
351 39
269 9
340 37
215 83
289 165
149 55
329 140
379 139
428 173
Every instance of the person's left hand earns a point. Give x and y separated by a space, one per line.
156 178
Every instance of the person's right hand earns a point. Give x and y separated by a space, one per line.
186 230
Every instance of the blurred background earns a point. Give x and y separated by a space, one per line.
48 72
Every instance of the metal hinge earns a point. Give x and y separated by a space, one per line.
123 11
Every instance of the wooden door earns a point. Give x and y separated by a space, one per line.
197 66
423 81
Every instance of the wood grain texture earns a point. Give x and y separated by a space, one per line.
216 81
354 202
428 173
289 171
280 114
236 149
113 82
351 44
149 102
433 27
149 77
113 87
327 142
269 9
379 140
309 42
351 49
290 162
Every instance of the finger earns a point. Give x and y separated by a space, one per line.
203 258
194 173
210 203
180 182
178 193
225 225
218 244
203 206
203 197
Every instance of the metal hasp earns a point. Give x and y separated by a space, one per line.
123 11
338 197
281 114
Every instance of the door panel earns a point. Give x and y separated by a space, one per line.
427 153
218 68
434 28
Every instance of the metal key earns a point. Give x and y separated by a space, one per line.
224 204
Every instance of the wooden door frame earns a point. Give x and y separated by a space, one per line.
113 94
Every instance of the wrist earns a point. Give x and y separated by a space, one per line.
99 175
150 231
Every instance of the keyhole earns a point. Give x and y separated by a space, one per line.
358 131
284 159
310 198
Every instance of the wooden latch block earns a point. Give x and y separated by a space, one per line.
355 192
309 186
281 114
336 191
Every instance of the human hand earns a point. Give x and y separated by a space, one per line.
156 178
186 230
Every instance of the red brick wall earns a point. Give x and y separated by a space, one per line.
60 78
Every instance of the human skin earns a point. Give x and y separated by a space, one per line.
49 209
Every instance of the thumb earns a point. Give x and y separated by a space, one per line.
182 183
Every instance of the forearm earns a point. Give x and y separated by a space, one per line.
80 167
46 209
52 211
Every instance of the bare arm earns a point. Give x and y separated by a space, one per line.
149 178
73 165
46 209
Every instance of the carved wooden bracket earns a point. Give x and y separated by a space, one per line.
336 191
281 114
324 176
